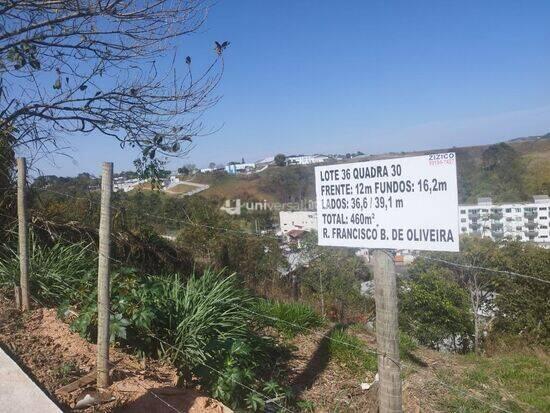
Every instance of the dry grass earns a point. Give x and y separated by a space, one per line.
237 187
180 189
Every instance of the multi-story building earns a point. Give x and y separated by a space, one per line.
234 168
527 221
306 159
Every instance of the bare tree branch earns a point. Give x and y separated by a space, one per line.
79 66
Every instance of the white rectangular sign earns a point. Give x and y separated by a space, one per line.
404 203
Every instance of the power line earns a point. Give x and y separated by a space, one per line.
297 326
41 304
475 267
284 321
189 222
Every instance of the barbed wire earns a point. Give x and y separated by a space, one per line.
189 222
302 328
401 364
466 392
43 305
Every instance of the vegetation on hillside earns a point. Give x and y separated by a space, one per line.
201 324
459 307
512 171
227 301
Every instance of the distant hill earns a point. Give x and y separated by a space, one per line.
514 170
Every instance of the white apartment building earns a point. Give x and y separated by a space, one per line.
297 220
125 185
516 221
306 159
234 168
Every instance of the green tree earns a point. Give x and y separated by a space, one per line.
290 184
475 254
522 305
435 309
280 159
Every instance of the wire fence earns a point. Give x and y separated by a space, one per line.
189 222
465 392
265 398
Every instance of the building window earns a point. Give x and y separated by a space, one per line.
484 210
462 219
462 211
543 217
518 209
543 209
519 228
464 229
508 209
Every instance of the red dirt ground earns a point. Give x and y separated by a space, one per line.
44 346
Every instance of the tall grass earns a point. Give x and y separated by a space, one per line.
199 315
203 321
289 319
59 273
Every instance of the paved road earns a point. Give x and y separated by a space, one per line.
18 393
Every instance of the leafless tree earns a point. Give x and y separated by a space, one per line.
82 66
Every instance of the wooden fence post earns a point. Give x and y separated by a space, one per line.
387 333
294 283
23 232
103 295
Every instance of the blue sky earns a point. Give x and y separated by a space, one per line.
376 76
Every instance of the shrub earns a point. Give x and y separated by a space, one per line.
202 321
435 309
288 318
407 345
521 305
199 315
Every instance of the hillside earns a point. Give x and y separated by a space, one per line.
522 170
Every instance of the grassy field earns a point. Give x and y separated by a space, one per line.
515 381
247 187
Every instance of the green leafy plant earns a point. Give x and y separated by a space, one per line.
435 308
66 372
203 321
288 318
59 273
